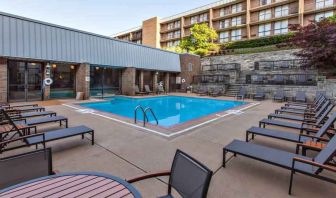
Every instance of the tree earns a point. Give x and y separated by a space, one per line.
200 41
317 42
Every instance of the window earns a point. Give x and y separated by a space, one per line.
138 41
264 30
320 16
265 14
237 8
236 21
177 24
203 17
235 35
190 67
224 24
170 26
193 20
170 35
281 11
173 43
177 34
281 27
265 2
323 3
224 37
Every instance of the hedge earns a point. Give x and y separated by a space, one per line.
259 42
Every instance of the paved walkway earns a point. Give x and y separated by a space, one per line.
126 152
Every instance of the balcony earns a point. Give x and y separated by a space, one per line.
173 38
261 5
218 15
166 29
291 13
189 24
317 7
229 25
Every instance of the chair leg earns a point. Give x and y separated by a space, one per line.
224 158
83 136
247 136
92 138
291 182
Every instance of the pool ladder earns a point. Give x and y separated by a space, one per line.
144 112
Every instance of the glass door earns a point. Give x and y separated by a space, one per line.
24 81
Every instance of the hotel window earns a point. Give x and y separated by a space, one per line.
265 2
138 41
193 19
170 35
264 30
222 12
173 43
265 14
224 37
319 17
224 24
177 24
237 8
203 17
323 3
177 34
281 11
236 35
236 21
170 26
281 27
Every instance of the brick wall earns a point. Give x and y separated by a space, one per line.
128 81
3 80
188 60
151 32
83 79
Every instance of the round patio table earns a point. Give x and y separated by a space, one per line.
83 184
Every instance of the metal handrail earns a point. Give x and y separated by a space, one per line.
153 114
144 114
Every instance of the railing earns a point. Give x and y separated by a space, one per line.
318 6
205 79
221 67
282 79
280 65
145 117
219 13
291 11
266 2
219 26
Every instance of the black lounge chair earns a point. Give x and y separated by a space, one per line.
148 90
138 92
301 111
35 114
260 94
305 104
8 105
279 95
216 92
315 106
188 177
242 93
29 109
203 91
294 162
25 167
290 136
322 112
45 120
278 79
300 96
259 80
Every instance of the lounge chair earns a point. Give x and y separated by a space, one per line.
259 80
203 91
260 94
24 167
294 162
306 104
215 92
290 136
148 90
300 96
8 105
278 79
279 95
322 112
314 106
242 93
35 114
188 177
28 109
301 111
138 92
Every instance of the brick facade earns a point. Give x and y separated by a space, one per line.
151 32
3 80
83 79
128 81
190 66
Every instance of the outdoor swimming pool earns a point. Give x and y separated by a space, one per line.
169 110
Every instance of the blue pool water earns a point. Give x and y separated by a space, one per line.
170 110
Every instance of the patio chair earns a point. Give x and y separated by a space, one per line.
24 167
279 95
320 102
293 137
294 162
301 111
188 177
215 92
260 94
203 91
27 109
322 112
161 90
242 93
148 90
137 90
305 104
8 105
34 114
259 80
278 79
300 96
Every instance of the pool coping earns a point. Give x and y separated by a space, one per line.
167 132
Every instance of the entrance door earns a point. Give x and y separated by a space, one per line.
24 81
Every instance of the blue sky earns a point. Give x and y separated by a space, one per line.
99 16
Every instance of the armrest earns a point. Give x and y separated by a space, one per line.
20 138
323 166
147 176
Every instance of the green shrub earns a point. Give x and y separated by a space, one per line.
258 42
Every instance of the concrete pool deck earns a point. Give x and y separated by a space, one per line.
125 151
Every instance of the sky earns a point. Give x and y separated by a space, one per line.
105 17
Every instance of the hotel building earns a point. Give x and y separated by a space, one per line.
232 19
